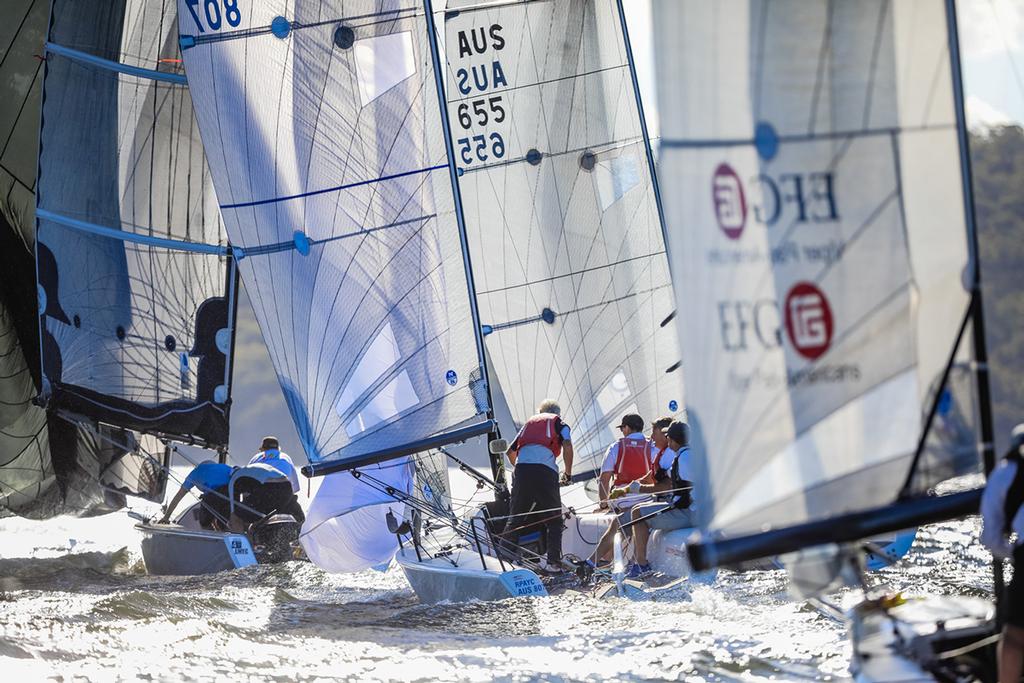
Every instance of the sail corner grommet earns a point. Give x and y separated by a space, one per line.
534 156
548 316
588 160
185 42
280 27
459 171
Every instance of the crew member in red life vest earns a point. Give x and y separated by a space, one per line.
631 458
1002 514
534 454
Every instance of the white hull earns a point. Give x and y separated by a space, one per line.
898 645
666 550
439 580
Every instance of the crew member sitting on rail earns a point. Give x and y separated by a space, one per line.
667 516
211 478
259 490
1002 514
534 454
271 454
631 458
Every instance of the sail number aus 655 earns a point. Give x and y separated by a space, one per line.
480 110
478 145
214 14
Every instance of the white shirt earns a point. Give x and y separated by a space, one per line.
993 516
281 462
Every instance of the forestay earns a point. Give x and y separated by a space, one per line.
135 288
811 169
560 205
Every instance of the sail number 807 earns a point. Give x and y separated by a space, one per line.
478 144
215 17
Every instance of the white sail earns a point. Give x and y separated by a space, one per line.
561 211
322 122
811 173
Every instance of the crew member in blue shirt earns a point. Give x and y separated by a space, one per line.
211 478
270 454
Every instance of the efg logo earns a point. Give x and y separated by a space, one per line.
808 320
729 201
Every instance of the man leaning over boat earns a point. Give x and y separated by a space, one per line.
535 493
212 479
667 516
1002 514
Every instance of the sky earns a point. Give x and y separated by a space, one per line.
992 44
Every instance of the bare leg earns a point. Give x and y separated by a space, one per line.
1011 654
641 532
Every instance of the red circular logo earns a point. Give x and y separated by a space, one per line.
729 202
808 320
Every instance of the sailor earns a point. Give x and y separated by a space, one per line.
1002 514
534 453
212 479
631 458
666 515
259 490
271 454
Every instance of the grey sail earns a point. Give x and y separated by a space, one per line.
135 278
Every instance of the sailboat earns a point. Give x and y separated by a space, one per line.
50 465
137 282
822 231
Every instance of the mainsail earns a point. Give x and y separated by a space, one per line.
327 147
560 204
816 213
135 278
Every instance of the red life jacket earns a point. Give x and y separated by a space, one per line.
542 430
633 461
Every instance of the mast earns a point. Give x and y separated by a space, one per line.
453 174
986 446
643 123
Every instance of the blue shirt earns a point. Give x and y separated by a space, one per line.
208 475
281 462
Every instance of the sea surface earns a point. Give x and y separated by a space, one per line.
76 604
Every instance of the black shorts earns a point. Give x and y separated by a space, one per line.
262 498
1015 593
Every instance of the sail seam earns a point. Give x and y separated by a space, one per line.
575 272
109 65
311 193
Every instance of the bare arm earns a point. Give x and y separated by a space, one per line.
567 454
173 504
603 487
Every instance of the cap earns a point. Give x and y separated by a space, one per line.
269 442
679 432
633 421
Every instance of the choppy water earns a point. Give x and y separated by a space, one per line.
75 603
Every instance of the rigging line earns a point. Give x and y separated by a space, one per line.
596 149
327 190
819 78
117 67
290 245
883 14
191 40
805 137
124 236
537 84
